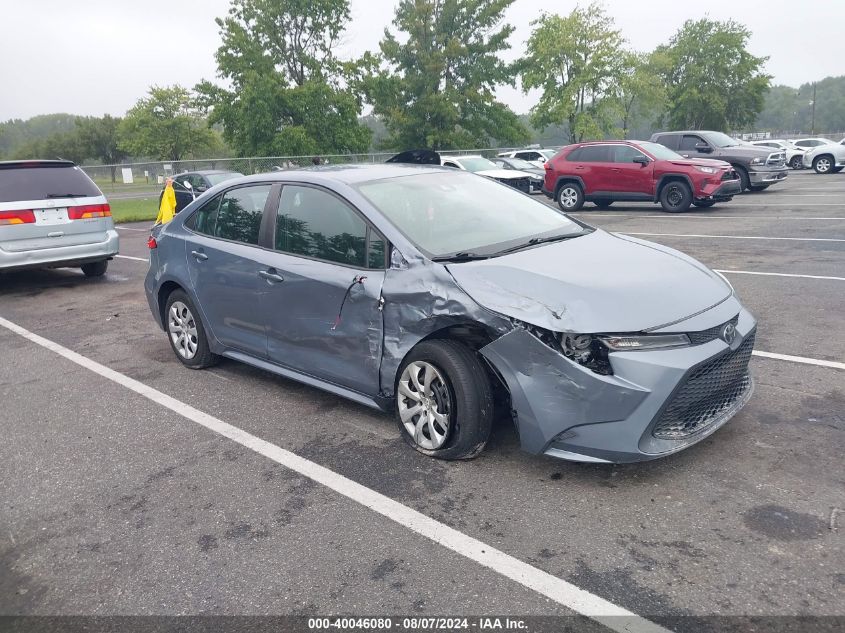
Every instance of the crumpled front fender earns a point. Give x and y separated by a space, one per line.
550 394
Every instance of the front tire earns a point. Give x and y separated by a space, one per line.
444 401
95 269
797 162
186 333
570 197
675 197
823 164
744 180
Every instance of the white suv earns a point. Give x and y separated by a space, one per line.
52 215
794 154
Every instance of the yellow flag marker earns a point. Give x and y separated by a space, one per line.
167 208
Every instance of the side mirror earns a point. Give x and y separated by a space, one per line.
703 148
187 185
642 160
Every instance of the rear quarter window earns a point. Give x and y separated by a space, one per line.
44 182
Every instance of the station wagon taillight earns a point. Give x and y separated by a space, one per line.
26 216
151 243
87 211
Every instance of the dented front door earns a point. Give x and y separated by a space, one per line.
308 331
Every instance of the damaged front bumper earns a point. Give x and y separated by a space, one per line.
642 411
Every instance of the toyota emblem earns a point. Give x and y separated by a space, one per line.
729 333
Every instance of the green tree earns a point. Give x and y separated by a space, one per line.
98 137
712 80
640 91
167 125
64 145
578 62
289 93
436 84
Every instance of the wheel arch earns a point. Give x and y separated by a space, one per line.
562 180
665 179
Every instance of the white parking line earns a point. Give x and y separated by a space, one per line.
689 216
800 359
751 272
740 237
136 259
554 588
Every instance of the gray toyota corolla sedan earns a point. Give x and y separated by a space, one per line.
442 296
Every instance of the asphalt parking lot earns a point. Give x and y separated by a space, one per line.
114 504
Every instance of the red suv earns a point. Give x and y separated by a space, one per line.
609 171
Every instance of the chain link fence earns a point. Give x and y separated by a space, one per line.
153 173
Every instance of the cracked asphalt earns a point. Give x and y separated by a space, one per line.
111 504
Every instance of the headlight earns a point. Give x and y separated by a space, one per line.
707 170
626 342
757 161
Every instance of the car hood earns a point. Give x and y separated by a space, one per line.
506 174
747 151
596 283
701 162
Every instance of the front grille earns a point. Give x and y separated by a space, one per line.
705 336
708 392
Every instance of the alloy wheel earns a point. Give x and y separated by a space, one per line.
183 330
823 165
424 405
568 197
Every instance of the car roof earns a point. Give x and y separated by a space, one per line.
208 172
20 164
347 174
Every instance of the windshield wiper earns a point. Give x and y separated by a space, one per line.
460 257
67 195
540 240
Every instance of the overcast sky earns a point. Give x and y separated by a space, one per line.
99 56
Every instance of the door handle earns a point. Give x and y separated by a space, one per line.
271 275
199 256
579 168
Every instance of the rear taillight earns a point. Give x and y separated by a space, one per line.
151 243
26 216
89 211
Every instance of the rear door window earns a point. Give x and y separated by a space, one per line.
205 217
41 182
240 212
595 154
668 140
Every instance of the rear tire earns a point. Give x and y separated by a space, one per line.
186 333
823 164
603 204
95 269
570 197
444 401
704 204
675 196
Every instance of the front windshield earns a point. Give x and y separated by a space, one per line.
660 152
476 163
216 179
455 212
720 140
